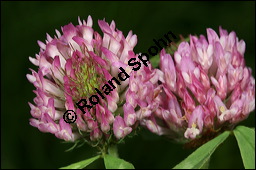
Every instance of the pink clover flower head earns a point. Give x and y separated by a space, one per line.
71 65
204 87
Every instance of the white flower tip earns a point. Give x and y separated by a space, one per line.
186 77
31 78
34 61
48 37
177 57
191 133
41 44
58 33
89 21
151 126
79 20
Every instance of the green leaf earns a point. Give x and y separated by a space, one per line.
200 158
112 162
81 164
246 141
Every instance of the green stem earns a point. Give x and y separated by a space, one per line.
113 151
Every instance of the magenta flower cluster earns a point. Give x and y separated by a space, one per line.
204 85
71 65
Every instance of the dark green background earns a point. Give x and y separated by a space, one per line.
23 23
